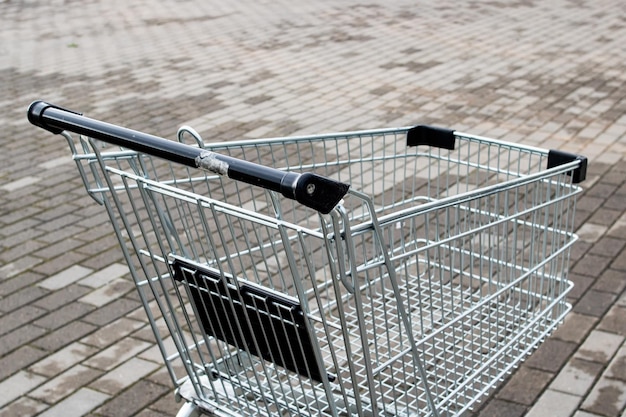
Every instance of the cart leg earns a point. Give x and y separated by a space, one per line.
188 410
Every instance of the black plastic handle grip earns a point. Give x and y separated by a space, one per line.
312 190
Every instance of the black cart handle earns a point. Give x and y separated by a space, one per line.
312 190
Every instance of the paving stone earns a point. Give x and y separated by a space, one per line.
590 203
63 336
65 314
575 327
617 367
607 398
162 376
19 184
577 377
591 264
165 406
140 395
154 413
614 321
58 264
551 355
591 233
108 293
61 297
581 284
616 201
64 384
18 337
23 297
608 246
18 385
611 280
525 386
23 406
64 278
77 404
584 414
554 404
114 355
620 260
19 317
499 408
594 303
605 216
112 332
103 258
104 276
124 375
18 360
63 359
599 347
154 353
112 311
11 285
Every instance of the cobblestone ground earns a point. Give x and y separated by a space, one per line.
73 339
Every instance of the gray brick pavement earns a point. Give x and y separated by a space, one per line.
549 74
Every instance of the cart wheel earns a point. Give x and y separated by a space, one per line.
188 410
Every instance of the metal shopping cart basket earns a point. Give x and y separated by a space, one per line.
391 272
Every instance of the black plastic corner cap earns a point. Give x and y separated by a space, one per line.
556 158
319 193
431 136
35 115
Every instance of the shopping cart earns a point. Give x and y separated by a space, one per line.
392 272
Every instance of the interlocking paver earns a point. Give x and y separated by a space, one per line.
64 278
63 336
18 337
77 404
548 74
499 408
614 321
117 353
555 404
607 398
18 385
20 317
64 384
63 359
611 280
617 367
108 293
23 406
551 355
599 347
595 303
124 375
112 332
140 395
18 360
525 386
577 377
59 298
104 276
575 327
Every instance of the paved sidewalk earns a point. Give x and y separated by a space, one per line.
73 338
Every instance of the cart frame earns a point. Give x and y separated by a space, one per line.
405 272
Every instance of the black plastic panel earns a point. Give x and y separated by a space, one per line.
252 318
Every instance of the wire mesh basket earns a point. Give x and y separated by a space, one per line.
390 272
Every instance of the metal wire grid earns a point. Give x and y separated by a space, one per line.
476 240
